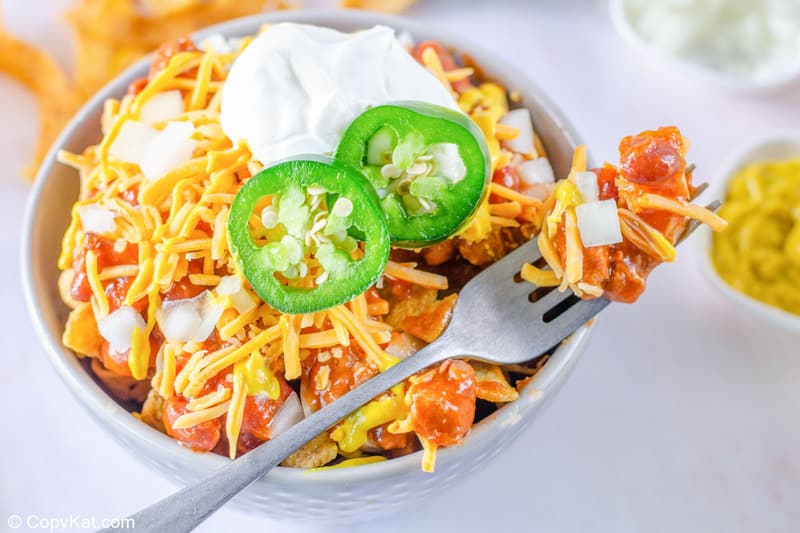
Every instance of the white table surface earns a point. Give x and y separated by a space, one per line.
684 414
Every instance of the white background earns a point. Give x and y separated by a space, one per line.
684 414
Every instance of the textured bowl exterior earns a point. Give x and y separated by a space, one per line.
338 495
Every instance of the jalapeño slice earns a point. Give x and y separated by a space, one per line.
429 165
290 231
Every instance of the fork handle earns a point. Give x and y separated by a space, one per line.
187 508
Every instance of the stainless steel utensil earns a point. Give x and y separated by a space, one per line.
498 319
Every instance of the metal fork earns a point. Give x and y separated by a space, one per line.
497 319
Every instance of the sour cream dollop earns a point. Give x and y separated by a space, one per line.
296 87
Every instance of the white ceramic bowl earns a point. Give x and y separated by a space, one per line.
682 66
774 147
336 495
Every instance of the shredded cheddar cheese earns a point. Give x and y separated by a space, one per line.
514 196
178 224
539 277
574 267
221 394
291 345
198 417
379 358
431 60
98 293
418 277
233 422
166 385
428 454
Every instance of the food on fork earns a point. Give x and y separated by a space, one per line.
611 226
226 292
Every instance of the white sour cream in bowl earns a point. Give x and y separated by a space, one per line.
740 44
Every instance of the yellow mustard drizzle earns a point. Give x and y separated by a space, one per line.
387 361
481 224
356 461
759 254
485 105
260 378
351 434
566 196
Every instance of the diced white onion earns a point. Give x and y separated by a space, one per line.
243 302
447 162
598 223
587 186
180 322
210 316
219 44
132 141
117 328
290 413
190 319
540 191
96 219
162 107
403 345
536 170
169 150
229 285
521 120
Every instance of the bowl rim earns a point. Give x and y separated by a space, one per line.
117 420
633 38
746 154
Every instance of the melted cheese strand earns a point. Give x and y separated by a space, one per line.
291 345
219 395
198 417
417 277
574 255
200 92
182 379
201 375
374 353
539 277
428 454
233 422
167 384
98 293
512 195
681 207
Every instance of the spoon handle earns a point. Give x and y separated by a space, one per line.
187 508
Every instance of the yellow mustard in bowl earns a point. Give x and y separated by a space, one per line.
759 254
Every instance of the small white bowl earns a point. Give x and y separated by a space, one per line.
774 147
339 495
631 36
